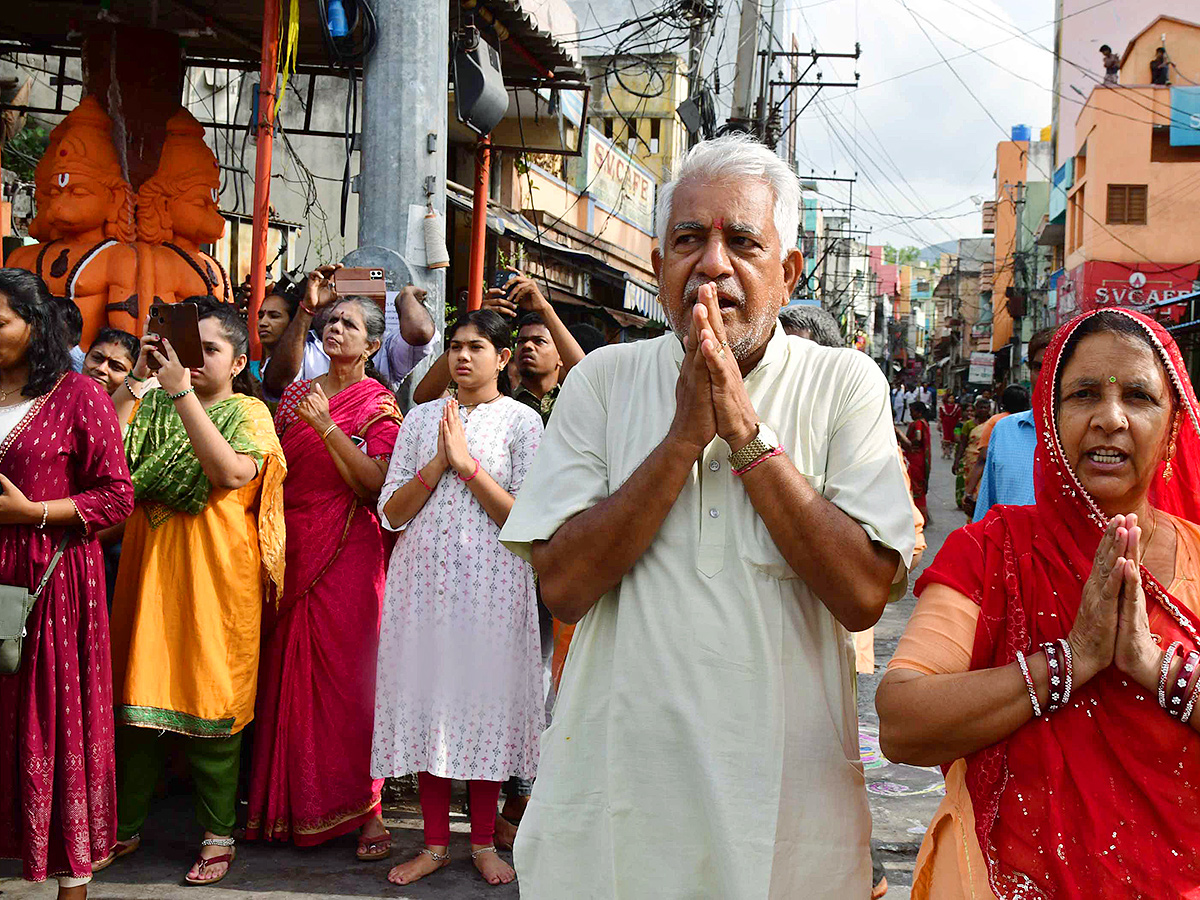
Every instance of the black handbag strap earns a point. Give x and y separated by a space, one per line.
62 545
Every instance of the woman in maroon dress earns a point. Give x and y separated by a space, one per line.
918 456
62 472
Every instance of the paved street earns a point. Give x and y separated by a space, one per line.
260 872
904 798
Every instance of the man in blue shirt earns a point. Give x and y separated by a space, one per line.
1008 473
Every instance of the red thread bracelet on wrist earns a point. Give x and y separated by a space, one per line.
472 475
423 482
778 451
308 309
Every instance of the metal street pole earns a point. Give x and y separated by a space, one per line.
483 160
264 135
1019 280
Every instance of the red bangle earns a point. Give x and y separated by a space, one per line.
422 480
308 309
744 469
472 475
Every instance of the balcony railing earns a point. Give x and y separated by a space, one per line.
987 276
989 217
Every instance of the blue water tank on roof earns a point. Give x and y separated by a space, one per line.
1020 132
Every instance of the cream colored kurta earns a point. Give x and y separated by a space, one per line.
705 740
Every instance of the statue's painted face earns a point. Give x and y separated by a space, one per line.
78 203
194 214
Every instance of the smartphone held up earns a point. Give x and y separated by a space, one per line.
179 324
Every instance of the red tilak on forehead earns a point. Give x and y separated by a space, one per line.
719 224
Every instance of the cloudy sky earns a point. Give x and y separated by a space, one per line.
919 131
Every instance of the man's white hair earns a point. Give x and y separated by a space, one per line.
733 157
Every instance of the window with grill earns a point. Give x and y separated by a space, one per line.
1126 204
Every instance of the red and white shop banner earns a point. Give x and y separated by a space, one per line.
1097 284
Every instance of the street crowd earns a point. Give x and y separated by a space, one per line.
633 600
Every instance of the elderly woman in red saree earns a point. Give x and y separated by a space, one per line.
311 778
1052 665
62 476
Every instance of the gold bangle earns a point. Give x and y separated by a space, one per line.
326 432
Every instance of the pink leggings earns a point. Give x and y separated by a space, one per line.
435 808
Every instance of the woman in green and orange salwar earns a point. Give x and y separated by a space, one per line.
206 538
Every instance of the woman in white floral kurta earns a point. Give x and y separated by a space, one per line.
459 686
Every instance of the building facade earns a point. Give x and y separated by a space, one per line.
1129 187
633 104
1082 27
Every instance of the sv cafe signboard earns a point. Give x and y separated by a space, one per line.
618 183
1098 283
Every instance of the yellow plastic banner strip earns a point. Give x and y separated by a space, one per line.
289 59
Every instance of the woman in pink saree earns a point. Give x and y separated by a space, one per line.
312 748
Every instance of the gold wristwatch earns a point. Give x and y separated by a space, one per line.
766 441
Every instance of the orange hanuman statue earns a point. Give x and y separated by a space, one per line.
85 223
177 212
95 252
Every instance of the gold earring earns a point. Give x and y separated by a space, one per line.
1167 470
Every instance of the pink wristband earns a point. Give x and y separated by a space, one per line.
422 480
472 475
778 451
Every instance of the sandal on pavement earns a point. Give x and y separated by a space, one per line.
202 863
122 848
378 847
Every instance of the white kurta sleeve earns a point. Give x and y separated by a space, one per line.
570 472
404 465
864 477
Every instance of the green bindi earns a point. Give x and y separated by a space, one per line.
1112 379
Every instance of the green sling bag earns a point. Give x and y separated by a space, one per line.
16 603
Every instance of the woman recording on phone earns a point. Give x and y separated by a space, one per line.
205 539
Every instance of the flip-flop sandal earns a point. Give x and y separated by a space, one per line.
371 849
122 848
202 863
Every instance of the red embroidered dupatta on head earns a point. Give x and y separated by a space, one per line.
1101 799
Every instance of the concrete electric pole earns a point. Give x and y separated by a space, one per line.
742 112
403 151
